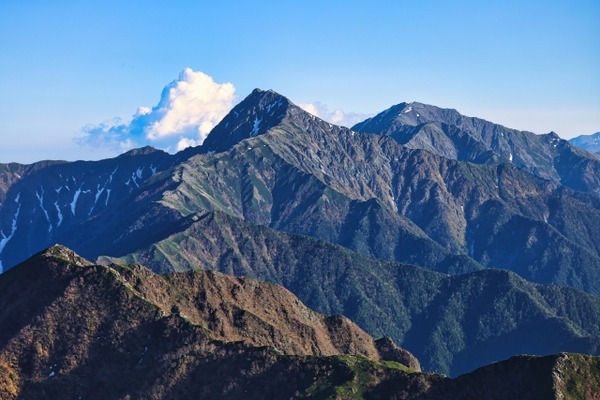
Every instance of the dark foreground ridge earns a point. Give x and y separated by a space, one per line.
73 329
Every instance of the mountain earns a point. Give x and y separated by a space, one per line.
453 324
78 330
43 203
269 163
69 326
561 376
590 143
299 174
448 133
377 197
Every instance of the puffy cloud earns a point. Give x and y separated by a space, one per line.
188 109
187 142
337 116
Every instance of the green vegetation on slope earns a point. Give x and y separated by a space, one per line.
453 324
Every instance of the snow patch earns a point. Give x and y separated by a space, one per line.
5 239
74 202
134 178
98 194
110 178
273 105
409 109
143 354
153 169
257 122
40 197
510 157
59 213
107 196
139 172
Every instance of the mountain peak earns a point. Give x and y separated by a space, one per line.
141 151
590 143
253 116
407 114
61 252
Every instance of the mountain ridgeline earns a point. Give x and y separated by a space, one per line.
455 136
401 223
590 143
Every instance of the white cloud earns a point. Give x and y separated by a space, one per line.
186 142
337 116
192 104
188 109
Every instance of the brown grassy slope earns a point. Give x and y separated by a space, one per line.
73 329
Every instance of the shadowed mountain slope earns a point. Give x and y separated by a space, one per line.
452 324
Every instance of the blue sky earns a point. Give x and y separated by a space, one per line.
70 69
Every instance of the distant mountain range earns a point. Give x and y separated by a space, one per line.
590 143
400 223
72 329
